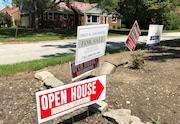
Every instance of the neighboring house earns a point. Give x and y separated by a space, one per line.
70 14
91 14
13 12
59 17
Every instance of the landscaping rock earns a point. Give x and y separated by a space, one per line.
121 116
52 82
41 75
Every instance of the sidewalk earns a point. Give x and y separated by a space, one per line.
14 53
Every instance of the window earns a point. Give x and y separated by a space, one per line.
92 19
65 16
114 19
95 18
48 16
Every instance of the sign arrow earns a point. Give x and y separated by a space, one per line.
99 89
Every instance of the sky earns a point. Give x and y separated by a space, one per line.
4 4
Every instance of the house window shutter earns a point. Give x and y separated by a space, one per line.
88 18
44 16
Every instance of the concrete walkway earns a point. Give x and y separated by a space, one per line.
14 53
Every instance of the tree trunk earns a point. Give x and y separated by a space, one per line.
35 16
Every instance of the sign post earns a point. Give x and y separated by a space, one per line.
91 42
133 37
61 100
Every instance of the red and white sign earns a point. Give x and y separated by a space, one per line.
61 100
83 68
133 37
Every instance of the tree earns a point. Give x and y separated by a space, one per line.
5 19
145 11
16 2
108 5
37 7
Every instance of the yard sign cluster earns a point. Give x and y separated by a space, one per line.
91 44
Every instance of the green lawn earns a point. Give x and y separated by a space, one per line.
11 69
28 35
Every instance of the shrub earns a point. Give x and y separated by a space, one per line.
119 26
138 59
5 19
171 21
114 26
17 22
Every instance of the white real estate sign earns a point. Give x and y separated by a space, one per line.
91 42
154 34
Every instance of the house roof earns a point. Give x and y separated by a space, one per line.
11 12
82 7
63 8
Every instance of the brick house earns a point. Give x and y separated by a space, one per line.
13 12
91 14
70 14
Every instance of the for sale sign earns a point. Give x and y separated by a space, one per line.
91 42
83 68
154 34
64 99
133 37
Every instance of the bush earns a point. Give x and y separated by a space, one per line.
171 21
119 26
138 59
17 22
5 19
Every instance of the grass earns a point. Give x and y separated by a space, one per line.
28 35
11 69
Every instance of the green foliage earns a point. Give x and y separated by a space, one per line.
119 26
145 11
170 21
157 121
108 5
16 2
138 59
17 22
5 18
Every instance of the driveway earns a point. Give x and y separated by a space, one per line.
14 53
